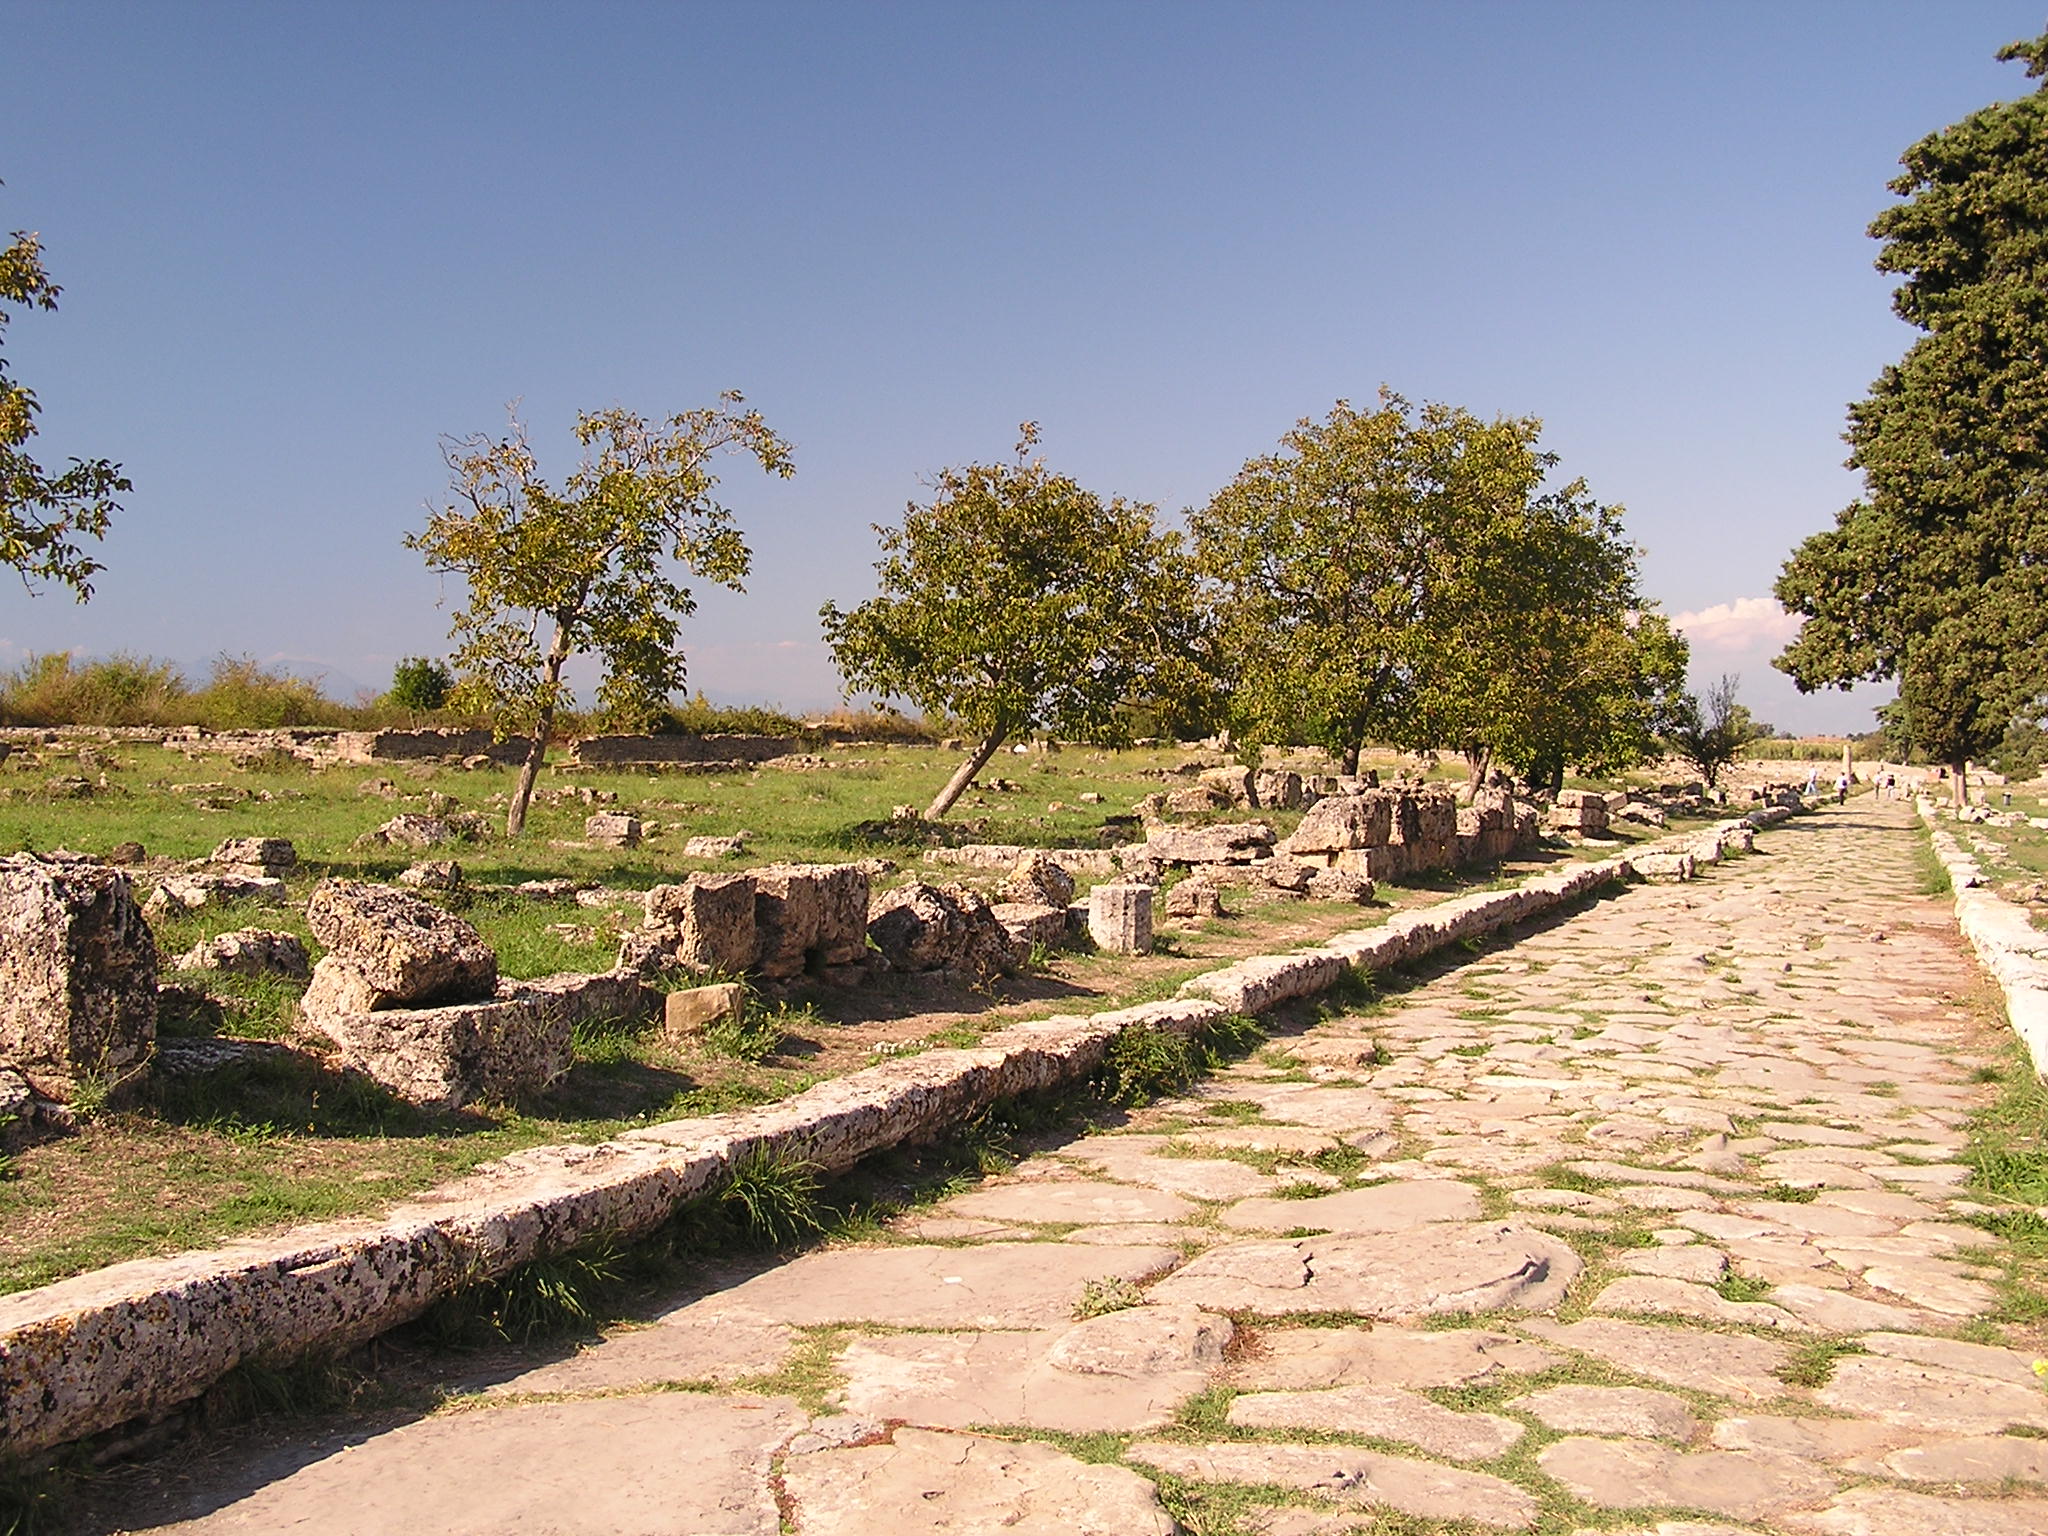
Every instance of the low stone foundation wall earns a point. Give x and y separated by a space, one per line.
662 751
137 1339
2007 943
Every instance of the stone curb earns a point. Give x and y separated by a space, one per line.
2007 943
137 1339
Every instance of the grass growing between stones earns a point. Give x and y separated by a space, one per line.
1812 1361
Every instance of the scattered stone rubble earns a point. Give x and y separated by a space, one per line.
249 952
943 928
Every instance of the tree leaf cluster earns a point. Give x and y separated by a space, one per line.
1710 732
1938 576
44 516
1017 600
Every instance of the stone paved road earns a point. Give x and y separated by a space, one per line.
1649 1222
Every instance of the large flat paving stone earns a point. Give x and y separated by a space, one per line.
1638 1474
1124 1371
1931 1397
604 1467
1474 1267
1830 1440
1087 1201
1385 1413
1391 1207
1142 1159
1640 1412
706 1341
1304 1358
1972 1459
1875 1511
995 1285
1366 1478
1989 1360
929 1482
1727 1364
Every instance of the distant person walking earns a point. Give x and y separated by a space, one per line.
1842 789
1813 781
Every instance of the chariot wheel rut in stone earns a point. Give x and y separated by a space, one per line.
1651 1221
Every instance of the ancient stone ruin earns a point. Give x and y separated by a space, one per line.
78 969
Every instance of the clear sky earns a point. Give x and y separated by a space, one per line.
301 242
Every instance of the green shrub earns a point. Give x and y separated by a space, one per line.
418 683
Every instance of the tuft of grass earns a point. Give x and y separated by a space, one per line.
1795 1193
1559 1176
1144 1063
1812 1361
1739 1287
769 1200
754 1035
561 1294
1109 1294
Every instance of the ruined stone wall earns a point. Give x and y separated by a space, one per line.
632 751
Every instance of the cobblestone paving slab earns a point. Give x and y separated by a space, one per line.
1654 1221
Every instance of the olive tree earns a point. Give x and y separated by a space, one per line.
1710 732
587 568
43 515
1017 600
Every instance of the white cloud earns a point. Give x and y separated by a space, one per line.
1746 624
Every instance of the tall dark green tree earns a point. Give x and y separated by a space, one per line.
1938 577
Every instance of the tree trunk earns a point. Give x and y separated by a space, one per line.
1959 781
537 749
964 775
1478 760
1349 765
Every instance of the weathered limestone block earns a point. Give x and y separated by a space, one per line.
1279 789
1041 880
412 830
77 975
406 951
613 829
258 857
1236 843
1341 822
1265 981
715 847
1233 782
688 1013
432 875
1339 885
920 927
1191 899
705 923
576 996
248 952
465 1053
1031 923
1662 866
1197 799
1120 918
809 917
195 891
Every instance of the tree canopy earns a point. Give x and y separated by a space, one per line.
1018 600
1402 575
43 516
589 564
1938 576
1710 732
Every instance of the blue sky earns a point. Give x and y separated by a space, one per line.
300 243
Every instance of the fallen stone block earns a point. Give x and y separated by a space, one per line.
715 847
704 923
1342 822
577 997
466 1053
1662 866
1233 843
78 969
195 891
412 830
612 829
1041 880
432 875
405 950
689 1013
1266 981
260 857
920 927
1120 918
1031 924
809 917
249 952
1193 899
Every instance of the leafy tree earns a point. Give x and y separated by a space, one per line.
1938 577
43 516
1544 651
1016 601
1710 733
420 684
1399 574
589 563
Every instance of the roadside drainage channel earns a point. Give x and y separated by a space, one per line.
2007 943
135 1340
